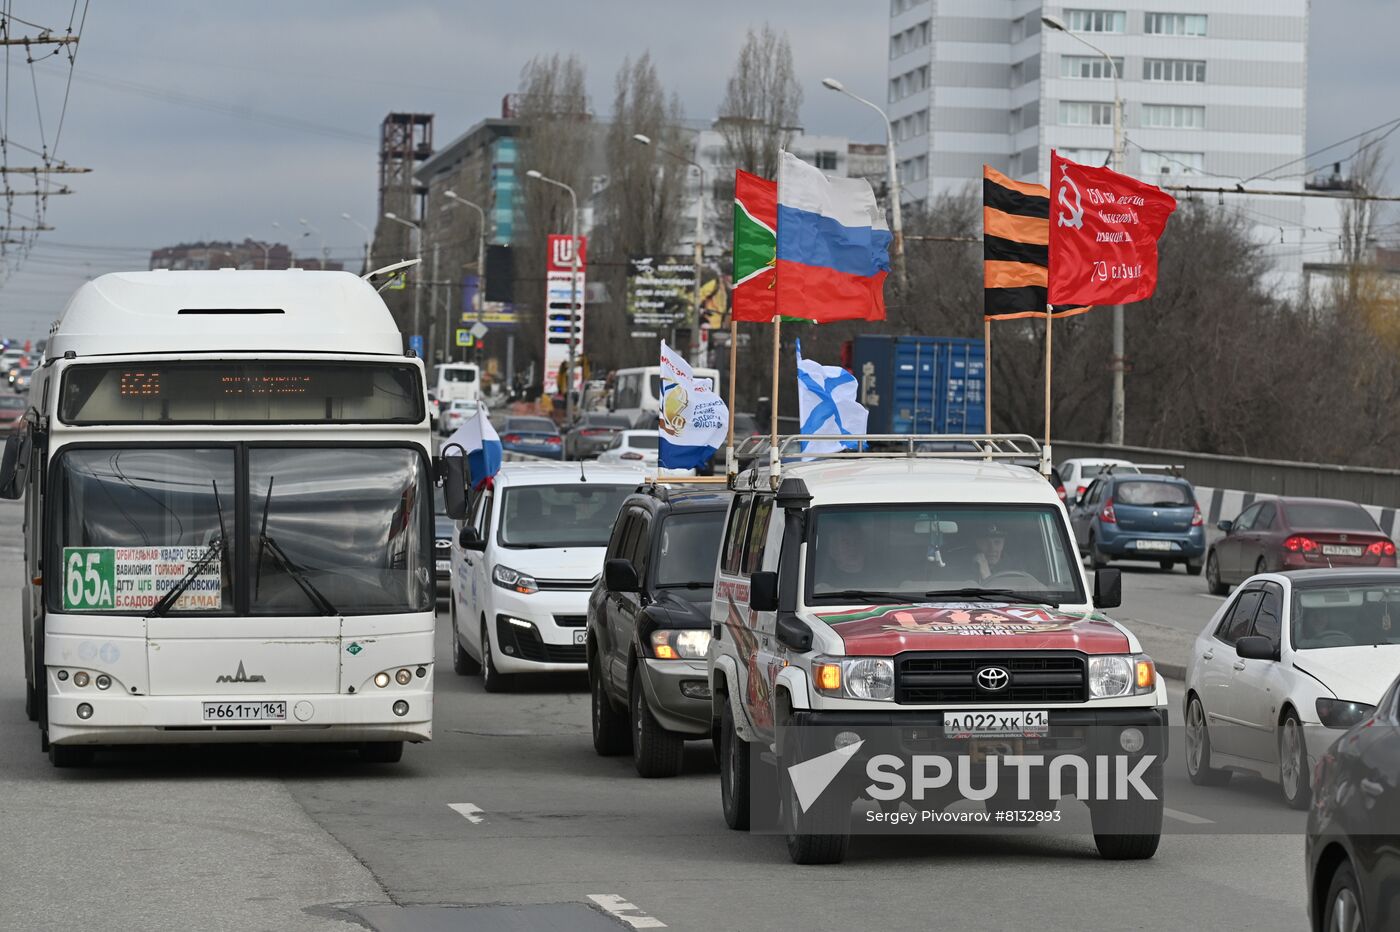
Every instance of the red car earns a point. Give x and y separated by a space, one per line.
1295 534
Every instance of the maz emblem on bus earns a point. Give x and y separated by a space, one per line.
241 677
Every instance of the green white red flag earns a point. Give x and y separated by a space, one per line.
755 248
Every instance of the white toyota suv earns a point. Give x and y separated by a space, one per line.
523 564
887 605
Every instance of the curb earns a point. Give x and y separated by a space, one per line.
1172 671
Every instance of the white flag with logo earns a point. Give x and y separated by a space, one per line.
694 420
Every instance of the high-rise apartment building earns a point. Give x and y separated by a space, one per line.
1214 92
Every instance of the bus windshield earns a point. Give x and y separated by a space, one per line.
327 530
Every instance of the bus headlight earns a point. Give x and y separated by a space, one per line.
381 680
403 677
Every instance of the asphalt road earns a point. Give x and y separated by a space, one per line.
508 820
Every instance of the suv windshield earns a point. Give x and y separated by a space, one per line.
918 553
326 530
686 556
541 516
1346 616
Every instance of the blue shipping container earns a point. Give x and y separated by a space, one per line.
921 385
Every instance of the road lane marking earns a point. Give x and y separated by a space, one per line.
1207 595
1186 817
468 811
616 906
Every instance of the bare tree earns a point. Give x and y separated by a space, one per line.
641 207
759 113
556 136
1358 218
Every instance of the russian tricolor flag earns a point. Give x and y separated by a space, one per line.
480 443
833 246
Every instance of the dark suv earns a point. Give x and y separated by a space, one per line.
649 627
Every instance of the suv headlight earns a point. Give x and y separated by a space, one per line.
687 644
1121 675
854 677
514 580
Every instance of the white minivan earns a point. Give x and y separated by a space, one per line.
523 564
638 391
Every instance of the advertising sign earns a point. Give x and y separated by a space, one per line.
135 578
490 313
661 291
560 317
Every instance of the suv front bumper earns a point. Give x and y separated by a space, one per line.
673 710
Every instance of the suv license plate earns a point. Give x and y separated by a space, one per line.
1001 723
1155 545
245 711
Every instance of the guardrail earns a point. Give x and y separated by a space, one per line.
1361 484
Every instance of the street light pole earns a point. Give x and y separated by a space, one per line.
321 240
1116 434
418 282
892 170
695 356
369 238
573 288
454 197
263 246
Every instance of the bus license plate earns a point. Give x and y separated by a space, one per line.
245 711
1001 723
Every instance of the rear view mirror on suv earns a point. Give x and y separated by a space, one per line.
763 591
621 576
1108 588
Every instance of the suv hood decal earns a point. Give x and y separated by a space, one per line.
885 630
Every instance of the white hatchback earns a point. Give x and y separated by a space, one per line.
642 447
1287 664
1077 474
523 564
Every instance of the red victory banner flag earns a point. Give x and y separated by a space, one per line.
1103 234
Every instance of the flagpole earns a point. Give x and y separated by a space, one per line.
731 468
773 458
987 371
1049 330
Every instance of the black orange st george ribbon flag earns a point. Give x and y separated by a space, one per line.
1015 248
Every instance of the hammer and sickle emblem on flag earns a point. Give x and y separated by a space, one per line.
1075 217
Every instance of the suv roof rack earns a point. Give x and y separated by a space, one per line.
895 446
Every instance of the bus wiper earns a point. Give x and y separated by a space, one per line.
216 547
298 575
1003 595
865 594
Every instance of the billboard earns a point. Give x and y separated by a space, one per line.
661 291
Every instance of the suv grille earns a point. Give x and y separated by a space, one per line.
951 677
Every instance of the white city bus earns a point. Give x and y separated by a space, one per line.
457 381
228 518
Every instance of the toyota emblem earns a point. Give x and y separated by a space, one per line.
993 678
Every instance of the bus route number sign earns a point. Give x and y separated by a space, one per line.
89 578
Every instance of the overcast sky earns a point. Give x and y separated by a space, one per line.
207 120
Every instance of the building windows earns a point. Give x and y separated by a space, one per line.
1173 163
1175 70
1172 116
911 82
825 159
1085 113
1096 20
1088 66
915 124
1175 24
915 37
899 6
915 169
1095 157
